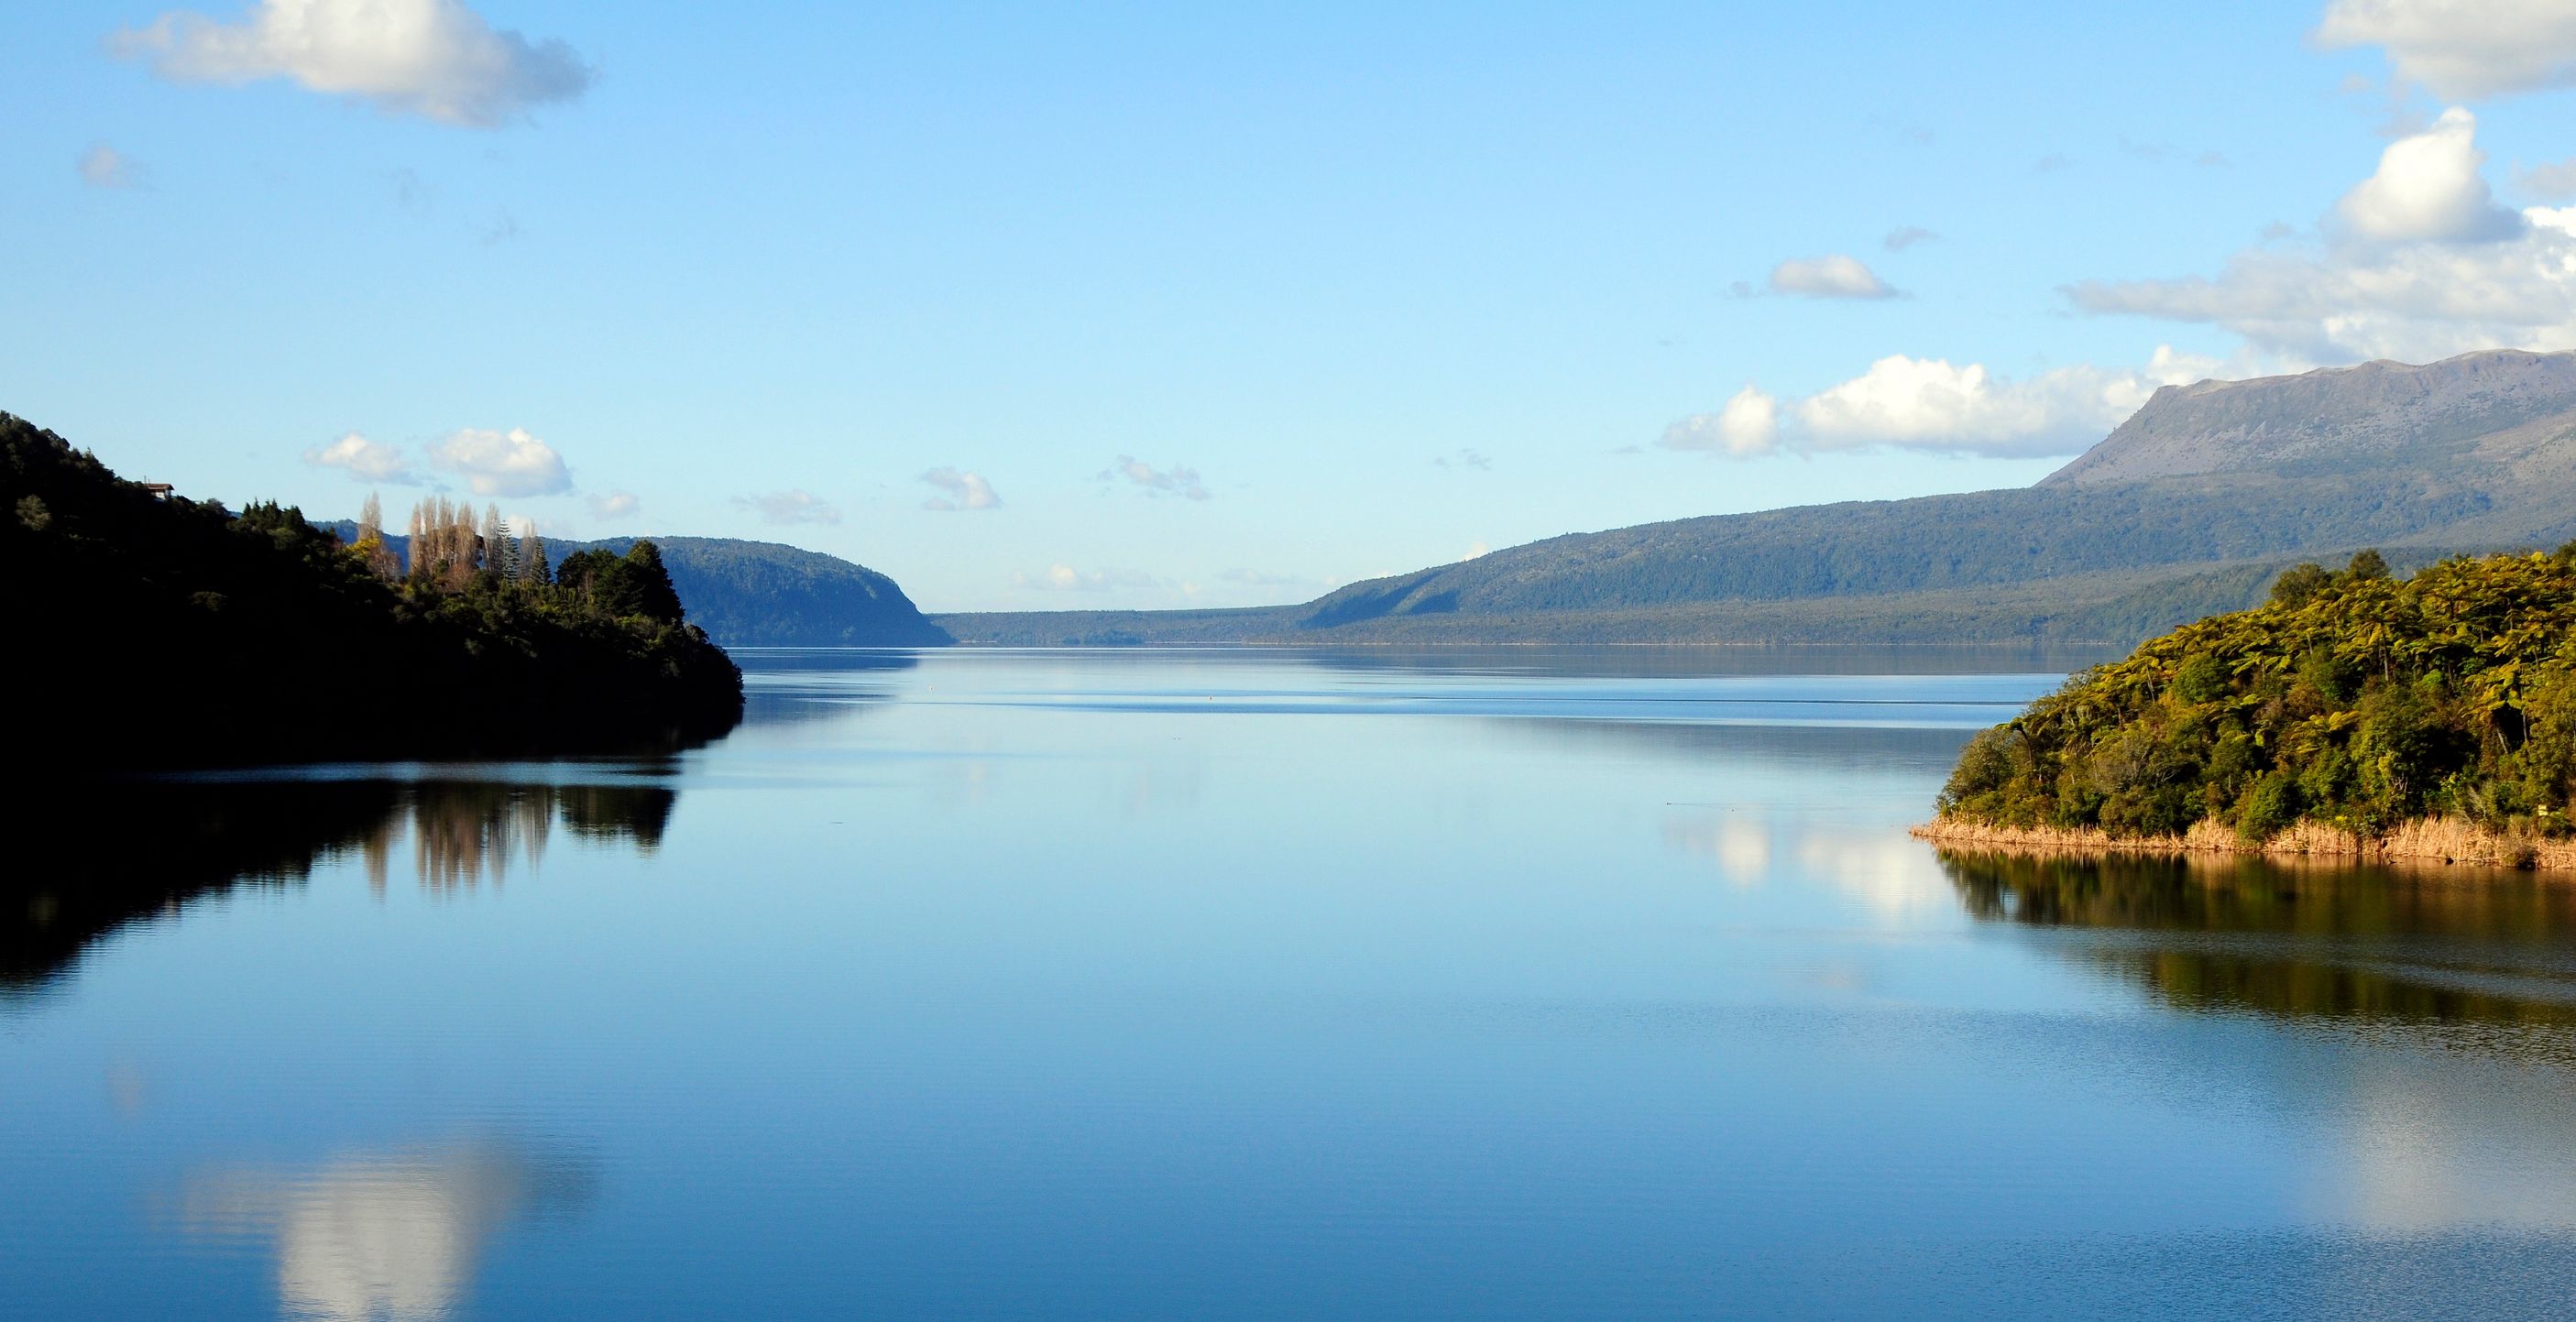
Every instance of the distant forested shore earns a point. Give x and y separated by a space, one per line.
2354 715
153 631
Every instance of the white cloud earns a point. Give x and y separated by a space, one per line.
364 460
1065 578
1906 236
103 166
2462 49
1748 425
1933 405
511 463
1834 275
2428 187
1179 481
434 58
1476 550
966 491
2555 180
1926 403
2420 265
790 507
613 505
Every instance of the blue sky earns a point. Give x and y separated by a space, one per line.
1158 306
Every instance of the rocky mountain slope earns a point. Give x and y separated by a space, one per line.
2500 406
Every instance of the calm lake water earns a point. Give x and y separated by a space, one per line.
1257 985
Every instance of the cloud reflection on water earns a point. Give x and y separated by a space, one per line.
393 1235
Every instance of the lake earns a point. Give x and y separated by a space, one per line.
1247 984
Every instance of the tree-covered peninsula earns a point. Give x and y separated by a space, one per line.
151 630
2429 717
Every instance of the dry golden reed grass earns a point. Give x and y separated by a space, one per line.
2426 840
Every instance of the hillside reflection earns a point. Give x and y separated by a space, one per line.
2233 934
391 1235
96 864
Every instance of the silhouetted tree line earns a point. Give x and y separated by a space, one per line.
149 632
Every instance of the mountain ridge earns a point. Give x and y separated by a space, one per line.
2280 422
2205 484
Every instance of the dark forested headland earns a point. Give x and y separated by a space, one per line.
150 630
2429 717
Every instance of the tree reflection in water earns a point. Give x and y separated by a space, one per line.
465 832
97 861
2306 942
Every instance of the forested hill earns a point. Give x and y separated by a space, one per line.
2187 509
2351 707
768 595
153 632
764 594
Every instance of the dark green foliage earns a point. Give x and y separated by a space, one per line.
2270 809
2300 583
2364 702
633 585
170 632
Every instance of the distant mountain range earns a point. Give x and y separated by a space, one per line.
2187 509
763 594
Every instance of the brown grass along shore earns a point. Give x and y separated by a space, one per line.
2429 840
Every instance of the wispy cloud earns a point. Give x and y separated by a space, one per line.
1464 459
2555 180
103 166
1835 275
790 507
966 491
2160 152
1176 480
613 505
1906 236
436 59
1254 578
1066 578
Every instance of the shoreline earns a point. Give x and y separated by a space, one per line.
2433 841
